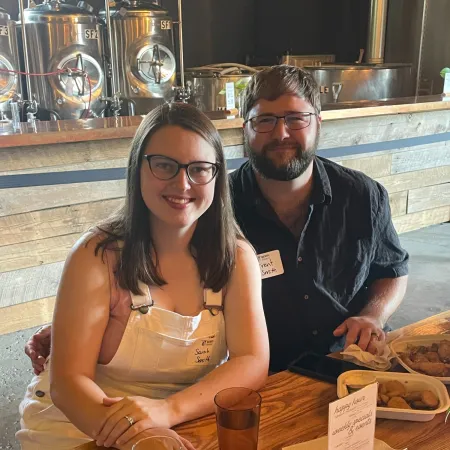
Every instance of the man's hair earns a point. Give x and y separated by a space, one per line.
273 82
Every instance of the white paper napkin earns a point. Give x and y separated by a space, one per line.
322 444
357 356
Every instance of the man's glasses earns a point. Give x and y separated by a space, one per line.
165 168
294 121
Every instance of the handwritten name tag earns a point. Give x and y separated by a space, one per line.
351 420
201 352
270 264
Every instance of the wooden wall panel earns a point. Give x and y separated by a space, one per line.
374 166
429 198
46 223
415 221
423 157
25 285
23 200
398 203
413 180
26 315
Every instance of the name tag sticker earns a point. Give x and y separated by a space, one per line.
270 264
201 352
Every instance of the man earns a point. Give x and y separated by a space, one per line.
332 264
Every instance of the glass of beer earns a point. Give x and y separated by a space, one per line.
237 417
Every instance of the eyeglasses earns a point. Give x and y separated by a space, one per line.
165 168
294 121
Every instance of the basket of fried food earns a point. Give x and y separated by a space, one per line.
401 396
428 355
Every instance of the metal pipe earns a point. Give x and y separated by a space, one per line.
180 36
25 48
377 31
111 54
420 57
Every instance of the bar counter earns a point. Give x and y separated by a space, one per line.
56 132
60 178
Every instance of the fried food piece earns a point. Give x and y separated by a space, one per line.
433 357
382 388
433 369
419 405
398 403
430 399
444 351
418 357
413 396
395 389
384 399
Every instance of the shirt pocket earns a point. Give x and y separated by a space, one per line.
171 360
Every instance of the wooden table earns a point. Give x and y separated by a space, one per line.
295 409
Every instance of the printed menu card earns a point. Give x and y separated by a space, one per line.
351 420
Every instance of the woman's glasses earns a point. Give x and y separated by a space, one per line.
165 168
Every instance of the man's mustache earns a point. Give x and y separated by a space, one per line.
274 145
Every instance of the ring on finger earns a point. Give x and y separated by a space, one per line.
130 420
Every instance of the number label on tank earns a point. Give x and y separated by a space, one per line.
91 34
4 30
166 24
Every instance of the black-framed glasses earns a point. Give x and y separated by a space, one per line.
294 121
165 168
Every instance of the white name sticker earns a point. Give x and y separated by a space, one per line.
4 30
201 352
166 25
270 264
91 34
229 92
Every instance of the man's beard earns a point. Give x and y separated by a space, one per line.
296 166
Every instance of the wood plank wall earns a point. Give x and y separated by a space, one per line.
38 225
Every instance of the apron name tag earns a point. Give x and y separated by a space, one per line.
201 351
270 264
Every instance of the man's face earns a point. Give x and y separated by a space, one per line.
282 154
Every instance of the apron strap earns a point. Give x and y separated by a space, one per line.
213 301
142 302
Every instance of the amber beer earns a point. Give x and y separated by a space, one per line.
238 432
237 418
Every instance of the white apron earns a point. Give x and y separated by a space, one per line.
161 353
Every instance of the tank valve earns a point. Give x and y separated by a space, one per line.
115 103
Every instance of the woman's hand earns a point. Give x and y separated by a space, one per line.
129 416
157 439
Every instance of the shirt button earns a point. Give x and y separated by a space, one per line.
315 332
306 297
300 259
40 394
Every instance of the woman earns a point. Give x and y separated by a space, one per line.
153 302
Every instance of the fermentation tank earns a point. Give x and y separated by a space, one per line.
9 61
66 41
142 55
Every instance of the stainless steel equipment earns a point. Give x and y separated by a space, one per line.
208 85
346 83
377 31
142 55
307 60
9 60
68 41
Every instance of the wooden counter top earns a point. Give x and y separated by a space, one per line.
55 132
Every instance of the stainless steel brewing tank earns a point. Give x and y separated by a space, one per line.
9 60
345 83
61 36
209 88
143 54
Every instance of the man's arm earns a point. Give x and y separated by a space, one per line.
387 281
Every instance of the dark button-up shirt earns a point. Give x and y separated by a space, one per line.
347 243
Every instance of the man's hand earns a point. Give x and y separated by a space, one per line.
365 331
38 348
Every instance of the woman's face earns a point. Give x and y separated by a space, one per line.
177 202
